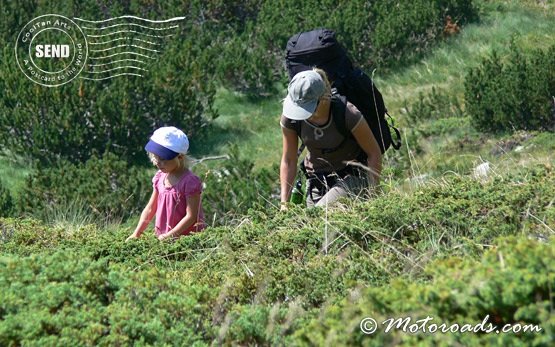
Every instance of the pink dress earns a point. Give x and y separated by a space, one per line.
172 202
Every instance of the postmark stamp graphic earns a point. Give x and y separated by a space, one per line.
51 50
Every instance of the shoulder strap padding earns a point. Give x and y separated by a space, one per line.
338 107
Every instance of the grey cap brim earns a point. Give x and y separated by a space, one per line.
297 111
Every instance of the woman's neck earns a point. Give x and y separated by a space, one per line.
322 113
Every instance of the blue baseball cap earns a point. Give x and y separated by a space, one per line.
167 143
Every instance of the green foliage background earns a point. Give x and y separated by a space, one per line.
238 44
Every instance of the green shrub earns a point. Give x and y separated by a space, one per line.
118 115
511 284
70 299
235 187
383 33
512 93
6 202
104 187
406 29
435 105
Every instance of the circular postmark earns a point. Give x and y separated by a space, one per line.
51 50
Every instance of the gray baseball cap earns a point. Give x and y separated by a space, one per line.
302 95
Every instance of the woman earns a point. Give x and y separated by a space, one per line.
333 164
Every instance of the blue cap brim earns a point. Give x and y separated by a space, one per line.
161 151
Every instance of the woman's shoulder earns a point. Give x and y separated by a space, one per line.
352 110
353 116
288 123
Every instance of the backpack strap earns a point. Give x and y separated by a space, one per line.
391 123
338 107
301 148
297 127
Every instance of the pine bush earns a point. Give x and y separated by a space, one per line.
513 93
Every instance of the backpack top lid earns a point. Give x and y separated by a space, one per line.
316 48
318 39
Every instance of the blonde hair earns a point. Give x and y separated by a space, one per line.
184 160
324 76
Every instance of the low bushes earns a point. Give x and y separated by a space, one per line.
118 115
511 284
379 34
404 30
435 105
104 187
303 276
235 187
513 92
6 202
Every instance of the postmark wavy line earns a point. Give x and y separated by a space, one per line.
124 38
130 31
131 17
118 68
130 24
112 55
117 61
106 78
119 46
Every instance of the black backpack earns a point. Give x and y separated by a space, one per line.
319 48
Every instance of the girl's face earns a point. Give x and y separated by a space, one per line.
167 166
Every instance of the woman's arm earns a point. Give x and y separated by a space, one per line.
146 216
191 217
369 145
288 166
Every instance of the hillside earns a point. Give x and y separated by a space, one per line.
457 250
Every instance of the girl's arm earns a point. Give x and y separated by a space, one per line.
288 166
146 216
368 143
191 217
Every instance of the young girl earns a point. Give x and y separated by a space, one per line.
175 199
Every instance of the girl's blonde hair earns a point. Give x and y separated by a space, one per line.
184 162
324 76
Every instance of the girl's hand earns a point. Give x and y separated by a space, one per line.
132 236
163 237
